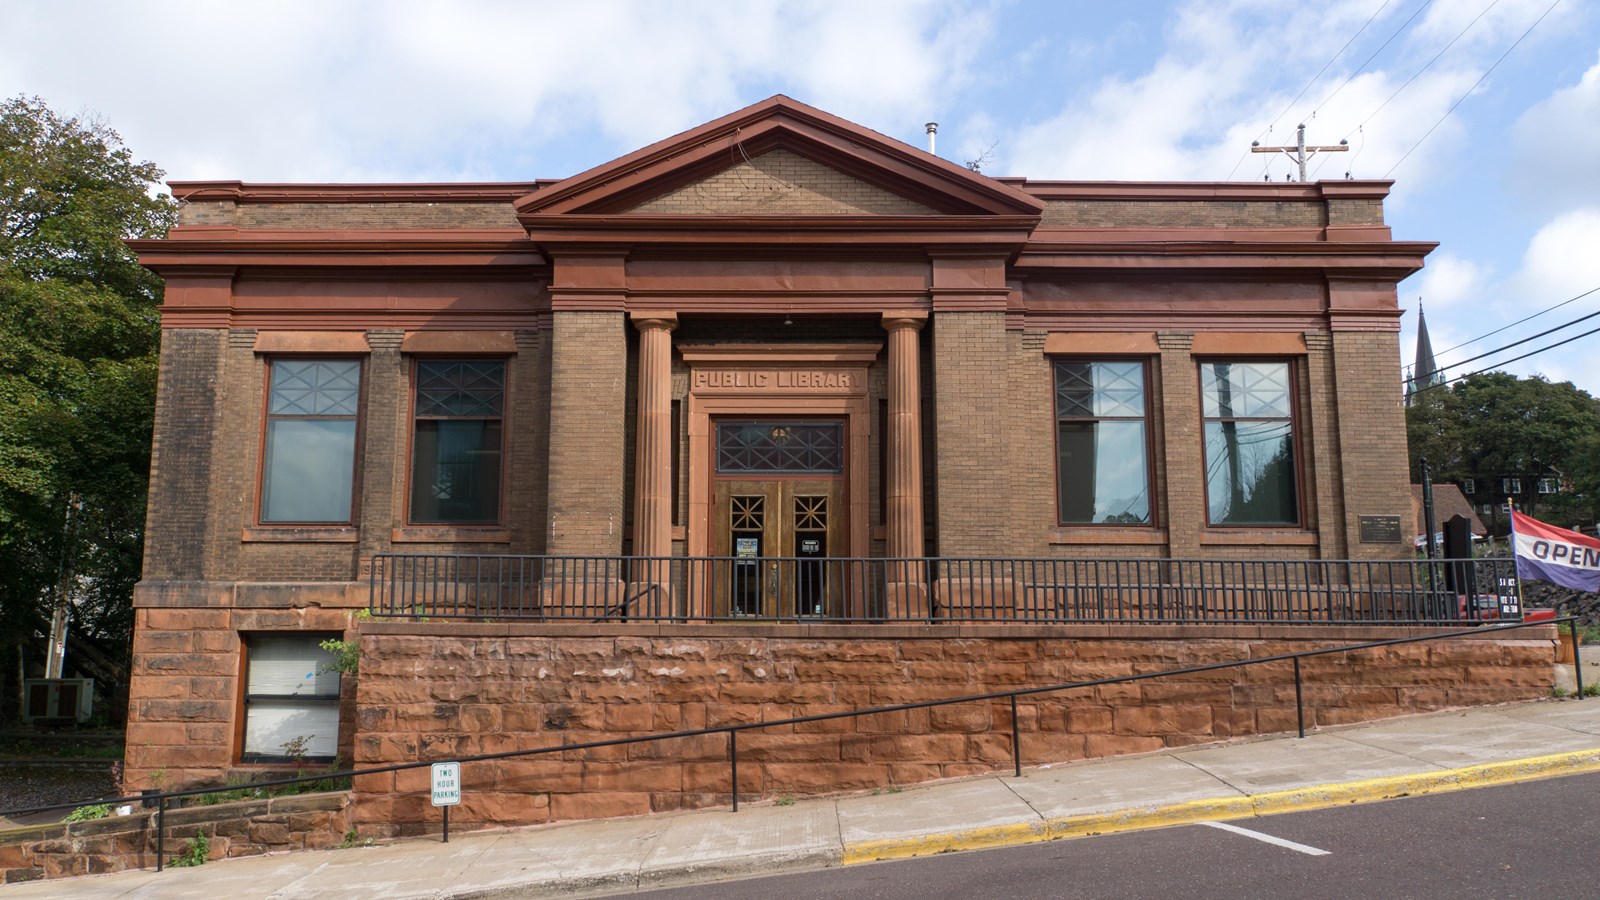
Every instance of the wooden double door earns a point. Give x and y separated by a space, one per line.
775 539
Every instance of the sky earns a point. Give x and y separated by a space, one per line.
1490 131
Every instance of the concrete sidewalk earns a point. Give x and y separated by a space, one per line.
1422 754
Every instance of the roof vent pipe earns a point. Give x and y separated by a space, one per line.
933 129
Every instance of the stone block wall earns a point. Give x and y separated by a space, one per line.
248 828
433 692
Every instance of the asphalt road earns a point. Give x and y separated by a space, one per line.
1536 840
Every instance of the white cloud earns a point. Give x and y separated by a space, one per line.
1448 280
418 90
1556 143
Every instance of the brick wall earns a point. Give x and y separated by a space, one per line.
780 182
187 409
1372 441
349 215
588 388
248 828
969 349
436 692
1187 214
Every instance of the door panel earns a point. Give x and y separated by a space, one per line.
774 536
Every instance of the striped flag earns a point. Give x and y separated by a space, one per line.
1547 553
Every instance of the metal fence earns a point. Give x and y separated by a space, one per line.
817 589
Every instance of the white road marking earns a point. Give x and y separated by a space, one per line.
1267 838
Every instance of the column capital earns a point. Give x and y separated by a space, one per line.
912 319
651 319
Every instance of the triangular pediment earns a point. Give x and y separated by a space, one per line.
779 157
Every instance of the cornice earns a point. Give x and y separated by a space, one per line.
466 192
1259 191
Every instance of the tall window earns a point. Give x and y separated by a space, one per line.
308 469
1249 435
1102 468
456 443
291 698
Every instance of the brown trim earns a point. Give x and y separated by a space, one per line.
1296 417
1265 192
1152 507
1246 343
299 192
300 534
1255 535
241 706
357 465
1100 343
1108 534
427 528
779 121
338 343
460 343
446 534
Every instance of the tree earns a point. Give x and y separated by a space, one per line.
1493 426
79 337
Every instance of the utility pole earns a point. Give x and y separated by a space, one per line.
1300 153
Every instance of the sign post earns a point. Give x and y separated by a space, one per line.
446 783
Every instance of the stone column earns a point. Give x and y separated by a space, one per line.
903 444
652 482
907 595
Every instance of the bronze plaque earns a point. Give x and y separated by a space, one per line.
1380 530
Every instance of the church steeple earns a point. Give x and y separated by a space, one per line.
1424 371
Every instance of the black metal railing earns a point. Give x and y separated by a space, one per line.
163 799
818 589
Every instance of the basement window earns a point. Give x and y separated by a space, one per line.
291 701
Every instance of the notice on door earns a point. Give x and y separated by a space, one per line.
745 548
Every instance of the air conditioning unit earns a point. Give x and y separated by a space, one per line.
57 700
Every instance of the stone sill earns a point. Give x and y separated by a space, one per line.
450 534
299 534
1092 534
1253 537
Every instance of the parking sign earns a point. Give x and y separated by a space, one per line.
446 783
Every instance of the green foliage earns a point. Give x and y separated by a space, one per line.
1496 424
783 801
194 853
79 336
346 657
88 813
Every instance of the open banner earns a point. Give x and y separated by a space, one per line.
1547 553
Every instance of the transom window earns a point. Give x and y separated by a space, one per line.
1249 443
456 441
1102 457
815 448
308 465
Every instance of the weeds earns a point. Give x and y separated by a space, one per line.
784 801
194 852
89 813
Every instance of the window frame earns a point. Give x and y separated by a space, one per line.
1295 437
242 728
357 449
1145 370
1511 485
499 522
1551 481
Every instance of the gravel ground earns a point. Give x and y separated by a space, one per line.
22 786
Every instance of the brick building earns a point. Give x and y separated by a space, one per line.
776 336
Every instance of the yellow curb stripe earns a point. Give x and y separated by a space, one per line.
1219 809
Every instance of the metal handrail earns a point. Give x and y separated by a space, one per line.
1050 590
732 731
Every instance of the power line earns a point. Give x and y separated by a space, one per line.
1533 337
1521 320
1474 87
1404 25
1505 362
1426 66
1313 81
